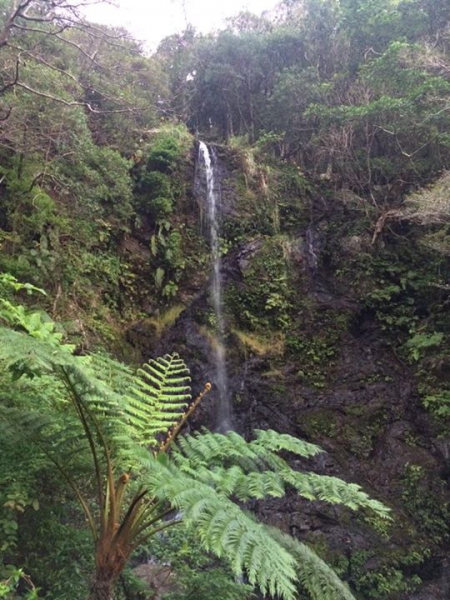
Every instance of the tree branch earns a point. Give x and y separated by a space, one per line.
35 30
14 81
71 103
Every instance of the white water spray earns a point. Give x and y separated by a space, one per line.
224 421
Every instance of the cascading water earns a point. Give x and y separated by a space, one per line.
207 159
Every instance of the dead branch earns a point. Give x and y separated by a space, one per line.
381 222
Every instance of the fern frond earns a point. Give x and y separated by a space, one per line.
21 351
274 441
271 560
333 490
115 375
61 440
235 482
318 579
254 470
93 408
59 443
230 448
228 531
158 398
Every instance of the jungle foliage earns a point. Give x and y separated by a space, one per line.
357 90
332 118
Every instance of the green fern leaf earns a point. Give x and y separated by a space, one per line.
227 531
333 490
159 397
254 470
274 441
315 575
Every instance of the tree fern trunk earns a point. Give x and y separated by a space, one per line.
102 588
110 562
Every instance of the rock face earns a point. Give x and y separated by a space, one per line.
308 353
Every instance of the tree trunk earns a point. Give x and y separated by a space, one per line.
110 563
101 588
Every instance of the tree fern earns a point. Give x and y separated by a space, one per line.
112 417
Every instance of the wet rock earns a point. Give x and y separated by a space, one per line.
438 589
143 335
246 254
365 413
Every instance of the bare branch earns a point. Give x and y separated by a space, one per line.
24 32
35 30
81 50
71 103
99 34
6 31
64 73
379 225
37 19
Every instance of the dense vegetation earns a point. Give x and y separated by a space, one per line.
330 120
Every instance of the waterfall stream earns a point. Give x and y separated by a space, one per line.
207 159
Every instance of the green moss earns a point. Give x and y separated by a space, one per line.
264 300
426 500
259 345
313 342
293 192
379 573
320 423
385 582
314 355
358 439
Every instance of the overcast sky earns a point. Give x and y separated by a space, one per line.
152 20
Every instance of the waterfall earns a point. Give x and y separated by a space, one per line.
207 159
311 246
